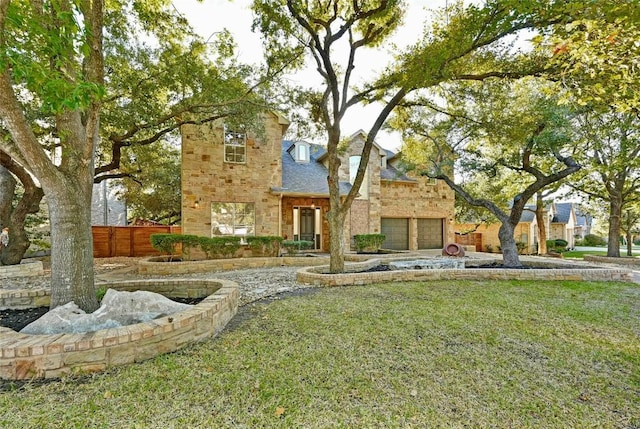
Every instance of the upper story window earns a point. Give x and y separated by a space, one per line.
354 163
303 152
235 146
300 152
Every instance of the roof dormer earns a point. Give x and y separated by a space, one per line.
300 152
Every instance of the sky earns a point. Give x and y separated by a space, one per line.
210 16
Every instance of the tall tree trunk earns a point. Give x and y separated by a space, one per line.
615 223
72 275
335 215
542 225
336 241
629 243
510 257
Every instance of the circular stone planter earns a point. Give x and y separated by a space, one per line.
26 268
25 356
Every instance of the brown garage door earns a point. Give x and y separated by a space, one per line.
396 232
430 233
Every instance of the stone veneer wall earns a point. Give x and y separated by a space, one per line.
24 269
154 266
315 276
631 261
25 356
206 178
419 200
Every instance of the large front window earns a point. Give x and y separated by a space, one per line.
237 219
235 146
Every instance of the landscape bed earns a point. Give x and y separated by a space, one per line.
25 356
538 269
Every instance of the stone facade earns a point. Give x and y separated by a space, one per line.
207 178
281 208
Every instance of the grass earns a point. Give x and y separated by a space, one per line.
579 254
412 355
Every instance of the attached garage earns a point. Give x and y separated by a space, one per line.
396 232
430 233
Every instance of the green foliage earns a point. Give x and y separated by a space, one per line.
166 244
264 245
293 247
154 193
220 247
368 243
593 240
558 245
101 292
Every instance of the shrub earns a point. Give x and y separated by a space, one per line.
166 244
558 246
294 247
593 240
264 246
368 243
489 248
220 247
188 242
521 246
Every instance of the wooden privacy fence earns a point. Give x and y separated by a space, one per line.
472 239
110 241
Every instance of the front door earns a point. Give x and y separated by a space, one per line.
307 224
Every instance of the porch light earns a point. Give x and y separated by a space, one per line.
196 205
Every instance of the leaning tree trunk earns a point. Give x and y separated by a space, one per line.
72 276
615 225
15 217
510 257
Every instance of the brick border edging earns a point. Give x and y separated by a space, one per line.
313 275
25 356
609 260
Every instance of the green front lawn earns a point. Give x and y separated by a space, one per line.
414 355
579 254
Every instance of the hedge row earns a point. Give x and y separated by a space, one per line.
225 247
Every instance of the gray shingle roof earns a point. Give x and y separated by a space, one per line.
562 213
305 178
529 214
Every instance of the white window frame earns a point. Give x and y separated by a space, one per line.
233 219
235 146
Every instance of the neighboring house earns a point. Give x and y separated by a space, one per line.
563 223
106 207
584 221
525 232
560 222
237 184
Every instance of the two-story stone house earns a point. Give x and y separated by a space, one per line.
237 184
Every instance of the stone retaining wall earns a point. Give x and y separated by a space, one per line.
25 356
315 276
24 269
156 266
631 261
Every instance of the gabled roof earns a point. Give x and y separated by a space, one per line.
562 212
528 214
309 178
392 173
